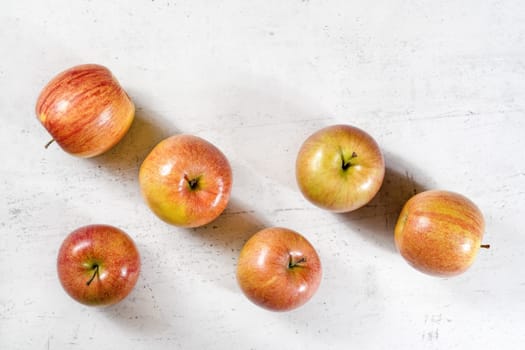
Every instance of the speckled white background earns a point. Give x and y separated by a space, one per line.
439 84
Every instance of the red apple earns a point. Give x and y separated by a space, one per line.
340 168
439 232
186 181
98 265
85 110
278 269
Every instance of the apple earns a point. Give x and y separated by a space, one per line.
439 232
85 110
278 269
98 265
186 181
340 168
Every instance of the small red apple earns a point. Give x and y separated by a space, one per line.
98 265
340 168
186 181
85 110
439 232
278 269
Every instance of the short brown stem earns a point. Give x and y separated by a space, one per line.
94 274
292 263
49 143
345 164
192 183
486 246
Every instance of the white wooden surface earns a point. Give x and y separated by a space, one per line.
439 84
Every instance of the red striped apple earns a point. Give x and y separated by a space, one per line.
340 168
186 181
439 232
98 265
278 269
85 110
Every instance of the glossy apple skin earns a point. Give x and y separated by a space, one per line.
107 247
340 168
265 274
85 110
439 232
165 177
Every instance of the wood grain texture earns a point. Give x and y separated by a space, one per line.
439 85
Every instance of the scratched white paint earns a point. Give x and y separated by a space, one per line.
439 84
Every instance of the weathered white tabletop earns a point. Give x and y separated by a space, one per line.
440 85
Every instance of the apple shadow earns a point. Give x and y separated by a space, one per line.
224 238
376 221
146 131
140 311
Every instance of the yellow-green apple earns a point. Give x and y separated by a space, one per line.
98 265
278 269
439 232
85 110
186 181
340 168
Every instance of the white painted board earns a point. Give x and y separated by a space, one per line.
439 84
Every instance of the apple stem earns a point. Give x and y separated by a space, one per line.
347 164
193 183
486 246
49 143
94 274
292 264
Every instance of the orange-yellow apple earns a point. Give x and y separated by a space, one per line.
278 269
340 168
186 181
439 232
85 110
98 265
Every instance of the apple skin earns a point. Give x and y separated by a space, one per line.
340 168
85 110
98 265
186 181
439 232
278 269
